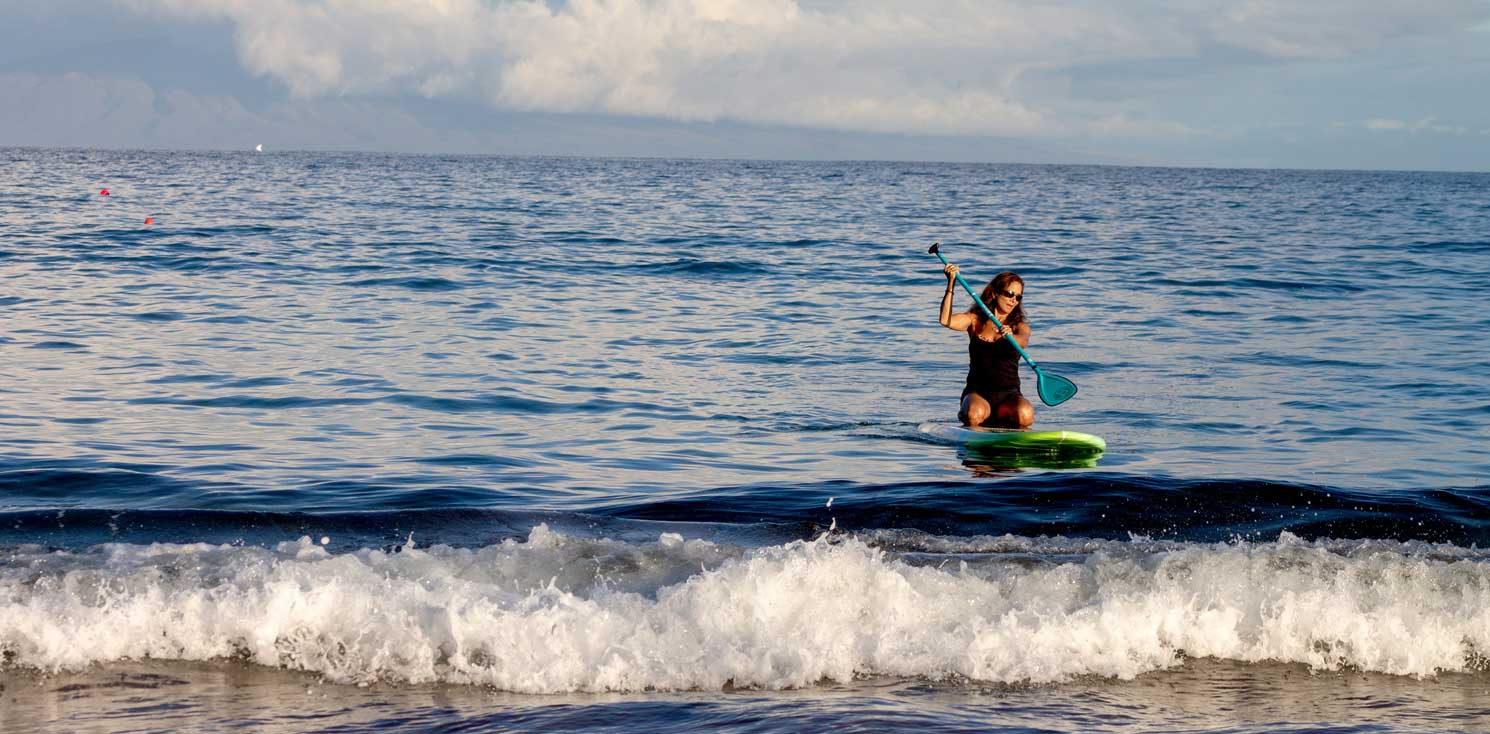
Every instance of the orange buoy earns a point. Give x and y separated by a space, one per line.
149 220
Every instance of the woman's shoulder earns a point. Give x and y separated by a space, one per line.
962 322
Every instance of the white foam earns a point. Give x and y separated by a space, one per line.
558 614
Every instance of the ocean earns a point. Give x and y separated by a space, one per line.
346 442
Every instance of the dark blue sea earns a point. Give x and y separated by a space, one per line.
364 443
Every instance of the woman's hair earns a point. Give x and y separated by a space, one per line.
1000 282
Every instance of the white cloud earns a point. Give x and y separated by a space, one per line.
85 110
930 66
1425 125
1331 29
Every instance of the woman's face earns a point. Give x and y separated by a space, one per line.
1009 296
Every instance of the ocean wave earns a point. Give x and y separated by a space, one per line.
707 269
426 283
1109 504
1106 505
558 613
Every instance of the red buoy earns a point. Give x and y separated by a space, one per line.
105 192
149 220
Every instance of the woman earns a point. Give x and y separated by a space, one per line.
992 394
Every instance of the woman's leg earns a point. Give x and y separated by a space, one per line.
974 410
1015 411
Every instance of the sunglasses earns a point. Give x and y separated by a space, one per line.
1018 297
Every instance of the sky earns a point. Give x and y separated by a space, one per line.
1360 84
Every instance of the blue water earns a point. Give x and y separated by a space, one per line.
353 442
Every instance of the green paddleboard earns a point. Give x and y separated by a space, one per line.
1065 443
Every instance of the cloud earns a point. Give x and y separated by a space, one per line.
947 67
86 110
1333 29
1425 125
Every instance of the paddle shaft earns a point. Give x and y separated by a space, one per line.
984 306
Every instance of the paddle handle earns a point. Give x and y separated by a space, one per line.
935 250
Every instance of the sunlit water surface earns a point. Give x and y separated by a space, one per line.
346 442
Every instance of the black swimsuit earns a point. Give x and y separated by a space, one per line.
993 369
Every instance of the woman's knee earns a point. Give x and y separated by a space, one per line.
1016 412
975 410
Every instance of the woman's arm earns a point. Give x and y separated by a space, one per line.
958 321
1022 334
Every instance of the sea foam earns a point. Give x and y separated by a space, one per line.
558 613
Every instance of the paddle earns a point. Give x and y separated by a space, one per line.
1053 389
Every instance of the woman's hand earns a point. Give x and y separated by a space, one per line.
1006 331
951 271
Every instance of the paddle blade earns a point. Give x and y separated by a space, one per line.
1053 389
